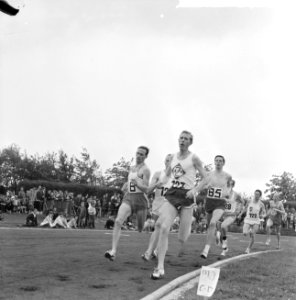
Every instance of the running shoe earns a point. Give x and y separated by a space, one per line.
154 254
267 242
224 252
247 251
110 255
145 256
157 274
204 254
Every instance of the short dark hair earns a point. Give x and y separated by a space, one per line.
144 148
233 182
259 191
221 156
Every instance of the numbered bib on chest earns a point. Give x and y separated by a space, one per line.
229 207
178 184
215 193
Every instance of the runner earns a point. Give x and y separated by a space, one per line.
234 206
218 188
275 214
182 170
160 183
255 209
134 200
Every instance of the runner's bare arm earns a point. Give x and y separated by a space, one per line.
154 183
143 184
262 212
198 166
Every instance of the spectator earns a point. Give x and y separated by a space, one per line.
81 215
91 214
72 222
31 219
48 221
60 221
109 223
149 224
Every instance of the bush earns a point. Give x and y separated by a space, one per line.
75 188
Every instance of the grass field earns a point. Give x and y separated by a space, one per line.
70 264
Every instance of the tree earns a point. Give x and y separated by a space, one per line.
87 171
65 167
11 166
285 184
118 174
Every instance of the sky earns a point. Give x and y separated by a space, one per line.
112 75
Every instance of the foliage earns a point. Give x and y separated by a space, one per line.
285 184
118 174
11 165
17 166
76 188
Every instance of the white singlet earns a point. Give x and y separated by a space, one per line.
183 172
253 210
131 187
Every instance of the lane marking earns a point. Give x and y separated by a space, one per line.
179 285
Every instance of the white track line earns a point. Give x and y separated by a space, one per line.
173 289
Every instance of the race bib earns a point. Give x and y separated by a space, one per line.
229 207
178 184
214 193
253 216
163 191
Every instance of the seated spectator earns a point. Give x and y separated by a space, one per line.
60 221
72 222
149 224
109 223
55 213
31 219
47 222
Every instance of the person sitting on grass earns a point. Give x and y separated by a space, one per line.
31 219
47 222
60 222
109 223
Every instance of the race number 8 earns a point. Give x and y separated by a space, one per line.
214 192
132 187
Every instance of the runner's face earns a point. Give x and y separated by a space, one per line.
184 141
140 155
257 195
219 163
167 161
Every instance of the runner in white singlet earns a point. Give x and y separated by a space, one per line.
160 183
182 170
218 188
134 201
255 209
233 207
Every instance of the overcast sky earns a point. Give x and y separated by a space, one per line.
112 75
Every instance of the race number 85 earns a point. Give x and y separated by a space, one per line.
214 193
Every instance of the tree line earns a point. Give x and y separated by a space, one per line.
17 166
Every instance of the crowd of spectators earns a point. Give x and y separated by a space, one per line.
84 209
67 210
